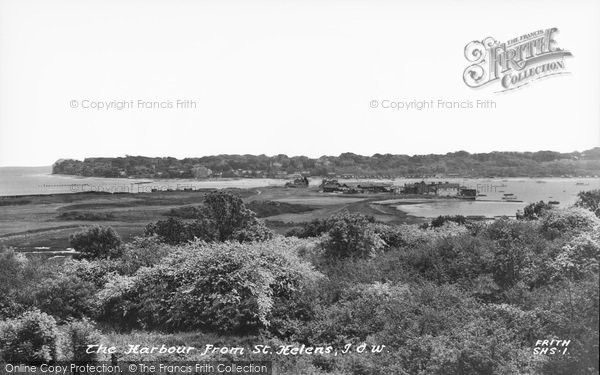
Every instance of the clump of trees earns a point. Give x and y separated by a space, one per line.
534 211
96 242
225 287
590 200
453 298
223 216
501 164
36 337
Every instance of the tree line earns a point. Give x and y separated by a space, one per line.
462 163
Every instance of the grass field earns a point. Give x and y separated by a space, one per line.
30 222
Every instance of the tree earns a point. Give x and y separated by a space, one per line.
97 242
534 211
590 200
222 217
441 220
227 214
352 236
223 286
33 337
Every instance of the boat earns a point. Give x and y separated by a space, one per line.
510 197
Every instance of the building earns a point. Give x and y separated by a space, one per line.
298 183
440 189
375 187
447 189
333 186
468 193
419 188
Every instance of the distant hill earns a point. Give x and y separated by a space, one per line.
455 164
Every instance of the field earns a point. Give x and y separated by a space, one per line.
347 295
30 223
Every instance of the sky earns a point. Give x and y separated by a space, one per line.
282 77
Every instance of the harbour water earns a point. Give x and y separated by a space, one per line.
490 201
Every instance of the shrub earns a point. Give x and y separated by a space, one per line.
351 236
222 217
313 228
97 243
79 334
227 287
20 276
117 300
140 252
566 222
390 234
579 257
33 337
65 296
441 220
534 211
590 200
12 279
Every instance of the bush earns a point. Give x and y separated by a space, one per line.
566 222
441 220
351 236
590 200
33 337
579 257
12 279
66 296
97 243
534 211
390 234
79 334
175 231
222 217
226 287
20 276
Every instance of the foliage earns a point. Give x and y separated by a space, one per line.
66 296
313 228
534 211
453 299
565 222
79 334
441 220
351 236
501 164
590 200
222 217
579 257
227 214
228 287
19 279
33 337
97 242
174 231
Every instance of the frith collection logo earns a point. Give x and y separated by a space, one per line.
516 62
